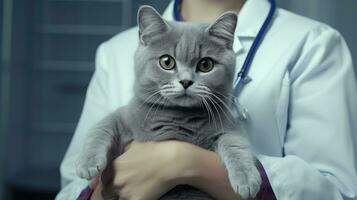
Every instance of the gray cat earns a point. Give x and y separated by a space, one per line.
183 91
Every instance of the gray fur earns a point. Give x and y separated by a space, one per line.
162 109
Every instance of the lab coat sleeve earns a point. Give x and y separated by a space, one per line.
318 161
95 108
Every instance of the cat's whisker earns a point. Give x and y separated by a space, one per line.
223 103
148 98
171 93
211 111
148 92
161 106
229 98
155 103
204 88
200 85
152 107
205 108
149 86
214 103
229 109
229 94
229 118
168 86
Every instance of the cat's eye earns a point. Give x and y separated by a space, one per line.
205 65
167 62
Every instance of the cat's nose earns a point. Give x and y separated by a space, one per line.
186 83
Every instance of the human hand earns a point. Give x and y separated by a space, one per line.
146 171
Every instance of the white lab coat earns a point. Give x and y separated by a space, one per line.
302 103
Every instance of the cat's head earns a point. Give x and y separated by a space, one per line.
182 63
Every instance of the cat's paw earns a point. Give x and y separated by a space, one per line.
90 168
245 182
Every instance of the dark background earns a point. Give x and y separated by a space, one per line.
47 53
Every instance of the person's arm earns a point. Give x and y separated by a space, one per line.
191 165
203 169
95 108
176 163
319 161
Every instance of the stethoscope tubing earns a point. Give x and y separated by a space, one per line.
242 77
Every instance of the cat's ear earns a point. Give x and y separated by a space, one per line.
150 24
224 27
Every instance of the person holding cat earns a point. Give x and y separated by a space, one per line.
301 106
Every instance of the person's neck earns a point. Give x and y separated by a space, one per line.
208 10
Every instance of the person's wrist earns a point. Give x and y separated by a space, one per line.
196 166
186 161
170 173
96 186
175 170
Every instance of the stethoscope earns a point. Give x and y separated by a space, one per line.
242 76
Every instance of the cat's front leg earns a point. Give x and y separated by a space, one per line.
239 161
102 145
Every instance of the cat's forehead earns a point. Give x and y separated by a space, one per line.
188 26
190 39
187 31
187 42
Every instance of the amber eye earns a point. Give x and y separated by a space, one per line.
205 65
167 62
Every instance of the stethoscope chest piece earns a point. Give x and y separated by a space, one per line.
240 113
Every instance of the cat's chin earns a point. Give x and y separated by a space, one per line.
186 101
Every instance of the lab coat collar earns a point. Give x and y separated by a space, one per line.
250 18
169 12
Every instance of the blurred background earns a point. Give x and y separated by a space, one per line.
47 51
